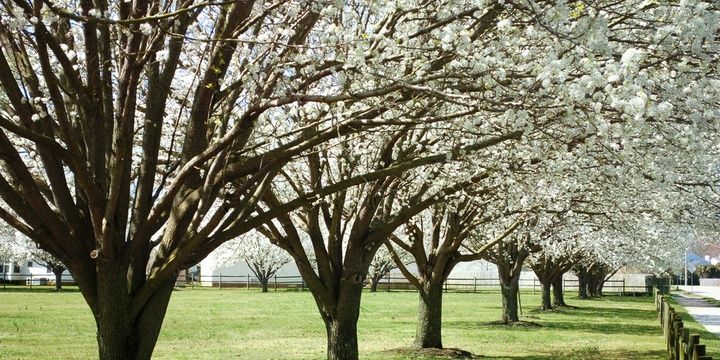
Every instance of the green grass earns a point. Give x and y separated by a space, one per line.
242 324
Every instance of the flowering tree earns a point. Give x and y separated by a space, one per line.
133 127
16 247
437 243
381 265
170 119
263 258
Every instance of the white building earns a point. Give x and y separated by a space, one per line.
27 272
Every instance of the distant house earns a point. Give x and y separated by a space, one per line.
210 272
27 272
693 260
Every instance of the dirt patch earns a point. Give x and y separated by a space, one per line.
449 353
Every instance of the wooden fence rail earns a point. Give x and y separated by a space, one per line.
681 345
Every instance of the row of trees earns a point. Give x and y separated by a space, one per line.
138 137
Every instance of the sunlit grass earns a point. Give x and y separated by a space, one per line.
242 324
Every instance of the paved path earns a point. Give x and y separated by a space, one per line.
702 311
703 291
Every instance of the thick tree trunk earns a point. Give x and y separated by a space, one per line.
264 285
558 296
342 343
120 336
509 290
341 326
58 279
429 326
546 300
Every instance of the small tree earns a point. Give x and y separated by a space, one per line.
15 247
509 257
380 266
263 258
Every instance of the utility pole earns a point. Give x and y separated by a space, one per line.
685 262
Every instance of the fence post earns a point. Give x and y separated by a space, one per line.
221 281
694 340
563 284
698 351
275 279
474 284
31 281
247 282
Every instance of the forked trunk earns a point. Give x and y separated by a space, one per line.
509 290
120 336
429 327
546 300
558 295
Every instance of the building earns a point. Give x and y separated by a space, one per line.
28 272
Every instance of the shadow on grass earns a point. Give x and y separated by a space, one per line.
578 319
588 354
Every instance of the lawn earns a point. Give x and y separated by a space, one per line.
245 324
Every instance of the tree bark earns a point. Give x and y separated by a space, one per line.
342 341
119 335
429 326
341 325
558 296
546 300
509 290
264 284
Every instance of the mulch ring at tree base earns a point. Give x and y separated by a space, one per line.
448 353
520 323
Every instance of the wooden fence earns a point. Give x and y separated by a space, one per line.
681 345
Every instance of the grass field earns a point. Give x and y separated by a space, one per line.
245 324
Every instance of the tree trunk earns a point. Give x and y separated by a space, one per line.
582 284
558 296
264 284
546 300
374 281
58 279
509 290
429 327
342 341
341 326
119 336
